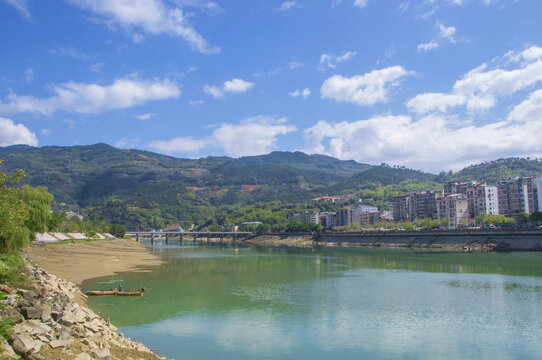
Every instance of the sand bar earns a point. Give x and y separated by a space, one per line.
77 262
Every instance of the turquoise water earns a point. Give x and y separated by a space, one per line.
247 303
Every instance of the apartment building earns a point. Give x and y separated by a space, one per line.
306 217
455 208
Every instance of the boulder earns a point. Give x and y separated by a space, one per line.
102 354
23 343
67 344
32 312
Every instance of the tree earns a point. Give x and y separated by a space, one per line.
37 202
13 233
118 230
55 221
523 218
536 217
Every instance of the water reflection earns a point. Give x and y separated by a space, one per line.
334 303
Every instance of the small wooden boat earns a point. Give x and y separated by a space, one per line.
118 292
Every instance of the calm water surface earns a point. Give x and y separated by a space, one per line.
248 303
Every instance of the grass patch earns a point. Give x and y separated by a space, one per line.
9 266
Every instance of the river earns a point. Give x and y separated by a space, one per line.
331 303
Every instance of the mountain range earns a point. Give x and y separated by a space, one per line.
145 189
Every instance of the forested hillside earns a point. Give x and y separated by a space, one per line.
148 190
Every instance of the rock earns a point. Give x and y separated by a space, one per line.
29 295
64 335
23 343
9 299
103 354
37 327
7 289
61 343
12 312
83 356
56 315
32 312
7 350
93 326
78 331
67 318
45 313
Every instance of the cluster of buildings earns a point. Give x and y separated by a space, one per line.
345 216
459 203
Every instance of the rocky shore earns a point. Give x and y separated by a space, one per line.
52 322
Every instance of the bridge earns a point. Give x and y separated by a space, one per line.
181 236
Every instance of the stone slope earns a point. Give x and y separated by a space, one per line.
54 323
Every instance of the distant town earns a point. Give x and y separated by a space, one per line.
458 204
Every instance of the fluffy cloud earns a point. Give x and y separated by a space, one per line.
360 3
331 61
180 145
253 136
93 98
288 5
445 34
258 134
231 86
428 46
150 17
303 93
14 134
481 87
21 6
366 89
401 140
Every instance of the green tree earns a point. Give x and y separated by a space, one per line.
13 233
37 202
536 217
523 218
55 221
117 230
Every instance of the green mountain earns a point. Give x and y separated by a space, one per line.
148 190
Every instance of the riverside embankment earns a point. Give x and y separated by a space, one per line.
52 319
461 240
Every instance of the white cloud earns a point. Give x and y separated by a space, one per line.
401 140
428 46
331 61
146 116
15 134
424 103
151 17
258 134
46 132
360 3
480 88
288 5
529 110
21 6
233 86
124 143
252 136
93 98
447 32
366 89
180 145
303 93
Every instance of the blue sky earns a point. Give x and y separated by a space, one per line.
429 84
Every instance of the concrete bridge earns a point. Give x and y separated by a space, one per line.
193 236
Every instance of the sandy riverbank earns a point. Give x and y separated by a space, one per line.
77 262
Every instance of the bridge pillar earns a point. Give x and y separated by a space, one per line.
152 239
167 239
137 237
